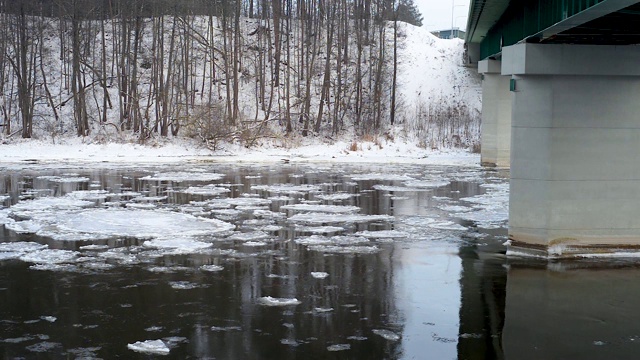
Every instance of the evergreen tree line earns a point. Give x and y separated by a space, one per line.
212 69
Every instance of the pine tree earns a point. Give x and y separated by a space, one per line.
409 13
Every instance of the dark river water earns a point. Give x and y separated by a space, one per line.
209 261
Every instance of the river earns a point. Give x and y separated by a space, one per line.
315 261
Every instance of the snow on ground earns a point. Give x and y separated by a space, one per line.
178 150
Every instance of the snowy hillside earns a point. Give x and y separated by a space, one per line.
227 97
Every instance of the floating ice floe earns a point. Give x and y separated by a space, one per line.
447 225
387 334
490 210
427 184
334 209
207 190
100 223
391 188
382 234
319 218
184 285
178 245
319 229
345 249
157 347
271 301
90 195
250 236
380 177
255 243
287 188
338 347
63 179
21 247
319 274
335 196
50 256
226 328
211 268
180 176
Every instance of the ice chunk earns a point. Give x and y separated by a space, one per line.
380 177
322 310
319 229
62 179
399 188
211 268
447 225
138 223
21 246
316 218
382 234
338 347
179 245
319 274
345 249
208 190
226 328
178 176
271 301
157 347
335 209
184 285
255 243
43 347
387 334
250 236
427 183
49 318
287 188
50 256
23 227
313 240
335 196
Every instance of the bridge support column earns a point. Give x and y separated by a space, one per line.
496 115
575 156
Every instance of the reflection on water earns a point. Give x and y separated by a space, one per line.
353 262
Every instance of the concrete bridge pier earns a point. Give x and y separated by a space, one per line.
575 161
496 115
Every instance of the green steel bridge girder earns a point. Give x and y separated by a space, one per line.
496 23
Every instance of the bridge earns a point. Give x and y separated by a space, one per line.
561 108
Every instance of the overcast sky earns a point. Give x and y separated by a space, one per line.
437 13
